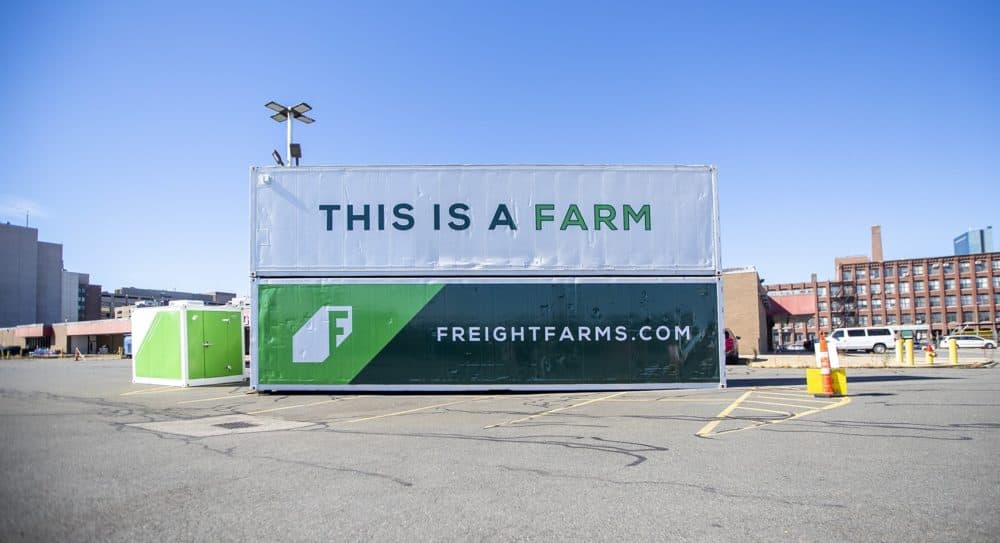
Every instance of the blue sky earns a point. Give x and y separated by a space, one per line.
130 126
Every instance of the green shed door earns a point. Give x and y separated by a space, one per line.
221 353
196 344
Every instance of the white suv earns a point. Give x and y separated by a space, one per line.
874 338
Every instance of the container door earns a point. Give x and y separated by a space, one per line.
196 344
222 354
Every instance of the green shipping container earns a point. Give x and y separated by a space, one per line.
187 344
486 334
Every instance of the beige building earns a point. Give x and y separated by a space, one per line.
743 298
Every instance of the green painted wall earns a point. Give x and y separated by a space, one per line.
159 354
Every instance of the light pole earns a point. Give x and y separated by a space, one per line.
285 115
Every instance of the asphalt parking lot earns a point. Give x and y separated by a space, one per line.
908 455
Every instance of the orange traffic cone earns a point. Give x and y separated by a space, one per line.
824 368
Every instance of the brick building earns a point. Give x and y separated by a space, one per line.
945 293
743 299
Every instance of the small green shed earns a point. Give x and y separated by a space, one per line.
187 344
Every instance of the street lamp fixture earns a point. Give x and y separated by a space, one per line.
286 115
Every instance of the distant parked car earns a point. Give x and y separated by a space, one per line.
40 351
874 338
732 347
968 342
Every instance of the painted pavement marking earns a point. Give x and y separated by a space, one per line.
156 390
240 395
556 410
740 404
397 413
331 400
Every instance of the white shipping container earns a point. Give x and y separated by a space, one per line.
484 220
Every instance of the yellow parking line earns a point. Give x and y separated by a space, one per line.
794 398
556 410
766 410
363 419
707 429
842 402
155 390
705 400
781 404
216 398
294 406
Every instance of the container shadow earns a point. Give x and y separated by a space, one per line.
786 381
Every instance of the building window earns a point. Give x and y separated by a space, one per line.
890 303
980 265
811 323
934 284
862 289
996 264
889 271
834 290
952 317
981 283
949 284
996 281
845 275
920 301
982 299
904 270
890 288
918 286
874 272
890 319
876 303
862 304
965 283
876 288
824 322
918 269
835 306
949 300
848 289
823 306
921 319
906 319
863 320
949 268
821 291
904 303
860 274
904 288
966 300
837 321
996 298
935 301
935 267
876 319
936 318
964 266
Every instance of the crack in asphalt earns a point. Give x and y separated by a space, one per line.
704 488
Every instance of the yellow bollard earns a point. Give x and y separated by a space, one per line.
899 351
909 351
953 351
